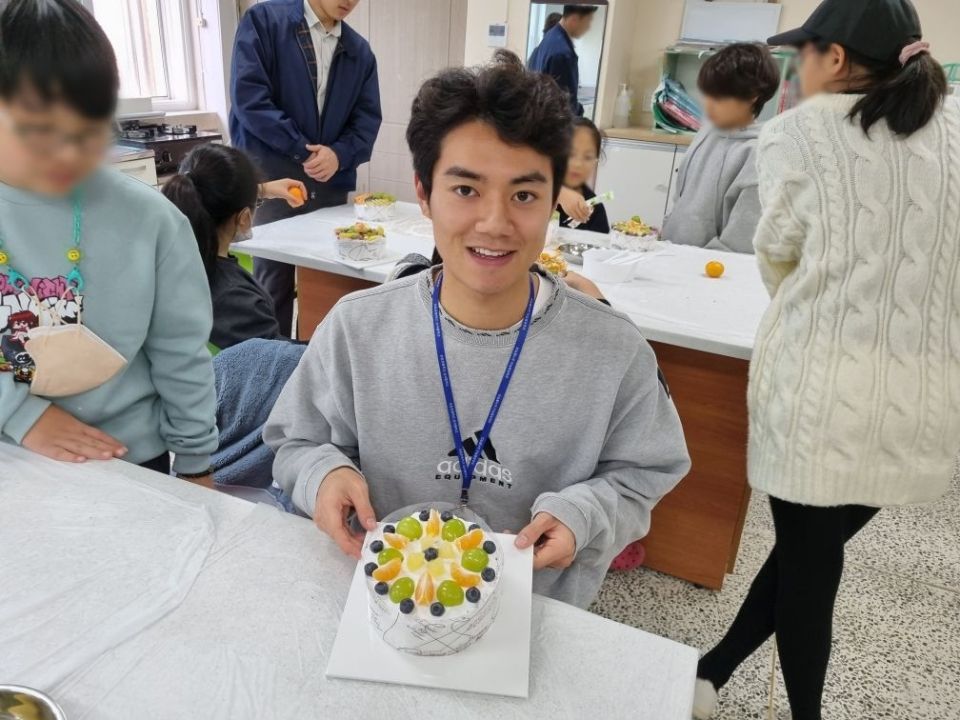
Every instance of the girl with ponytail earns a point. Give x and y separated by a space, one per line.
855 376
218 190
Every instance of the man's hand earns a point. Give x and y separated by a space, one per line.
322 163
59 435
574 205
341 491
554 544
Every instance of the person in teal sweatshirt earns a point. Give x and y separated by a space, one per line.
717 204
394 401
104 307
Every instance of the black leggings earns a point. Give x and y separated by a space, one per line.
793 596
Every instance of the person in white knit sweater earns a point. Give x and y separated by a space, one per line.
855 378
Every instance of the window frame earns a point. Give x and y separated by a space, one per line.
177 42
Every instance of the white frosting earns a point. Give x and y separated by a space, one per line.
420 632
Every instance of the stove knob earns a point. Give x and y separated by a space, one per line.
166 156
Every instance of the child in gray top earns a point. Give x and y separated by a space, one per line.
716 205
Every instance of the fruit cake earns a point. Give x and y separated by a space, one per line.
433 581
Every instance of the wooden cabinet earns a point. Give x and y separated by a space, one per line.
640 174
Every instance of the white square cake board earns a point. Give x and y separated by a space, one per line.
497 664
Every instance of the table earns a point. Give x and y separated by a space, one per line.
251 637
701 329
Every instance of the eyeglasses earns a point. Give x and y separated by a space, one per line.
47 140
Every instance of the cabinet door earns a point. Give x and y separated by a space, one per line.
143 170
639 174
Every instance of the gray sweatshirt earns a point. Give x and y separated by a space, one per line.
716 205
587 432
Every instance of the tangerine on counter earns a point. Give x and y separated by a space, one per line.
714 269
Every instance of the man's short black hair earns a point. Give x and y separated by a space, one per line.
569 10
525 108
744 71
55 49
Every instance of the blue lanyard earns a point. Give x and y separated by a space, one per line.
467 469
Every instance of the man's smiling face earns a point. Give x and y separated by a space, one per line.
490 204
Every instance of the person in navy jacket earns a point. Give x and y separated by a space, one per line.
305 105
556 56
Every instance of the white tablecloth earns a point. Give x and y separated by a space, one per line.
671 300
250 639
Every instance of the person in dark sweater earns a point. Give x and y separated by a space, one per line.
556 54
218 190
305 104
584 156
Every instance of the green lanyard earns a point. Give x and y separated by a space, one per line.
74 255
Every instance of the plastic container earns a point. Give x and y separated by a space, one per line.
622 107
634 243
375 212
597 268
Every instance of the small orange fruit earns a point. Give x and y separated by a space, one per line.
397 541
471 540
297 194
715 269
424 593
433 524
463 578
389 571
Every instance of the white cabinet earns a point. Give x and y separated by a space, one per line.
144 170
640 174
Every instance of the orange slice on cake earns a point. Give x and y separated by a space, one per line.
389 571
471 540
394 540
433 524
424 593
463 578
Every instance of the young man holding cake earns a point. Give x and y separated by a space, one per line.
398 381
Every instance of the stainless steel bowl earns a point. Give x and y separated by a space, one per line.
573 252
23 703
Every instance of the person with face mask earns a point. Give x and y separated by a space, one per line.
218 190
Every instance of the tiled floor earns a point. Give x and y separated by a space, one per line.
897 631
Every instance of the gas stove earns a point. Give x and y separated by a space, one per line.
169 142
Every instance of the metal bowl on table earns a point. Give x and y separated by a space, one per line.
573 252
23 703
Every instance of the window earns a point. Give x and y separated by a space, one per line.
153 43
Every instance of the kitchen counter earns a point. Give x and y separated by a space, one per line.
647 135
122 153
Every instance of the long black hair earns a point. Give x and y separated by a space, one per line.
56 49
215 182
906 96
597 133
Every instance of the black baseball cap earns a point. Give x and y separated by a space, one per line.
876 29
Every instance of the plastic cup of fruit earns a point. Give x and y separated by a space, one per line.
635 243
358 250
553 231
375 210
